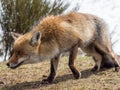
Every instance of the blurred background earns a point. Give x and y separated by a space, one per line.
21 15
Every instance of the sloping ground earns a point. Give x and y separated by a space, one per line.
28 77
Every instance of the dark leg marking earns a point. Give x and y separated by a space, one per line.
72 58
53 69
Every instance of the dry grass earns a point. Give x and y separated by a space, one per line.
28 77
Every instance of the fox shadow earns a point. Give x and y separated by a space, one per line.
37 84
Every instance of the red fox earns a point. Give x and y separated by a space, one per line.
63 33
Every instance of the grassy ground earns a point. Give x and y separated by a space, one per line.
28 77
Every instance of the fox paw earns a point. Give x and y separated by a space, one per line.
46 81
117 69
94 69
77 76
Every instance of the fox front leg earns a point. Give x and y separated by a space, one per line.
53 69
72 59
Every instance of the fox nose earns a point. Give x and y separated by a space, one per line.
8 64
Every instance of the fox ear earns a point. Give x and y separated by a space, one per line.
35 38
15 35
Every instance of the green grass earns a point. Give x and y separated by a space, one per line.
28 77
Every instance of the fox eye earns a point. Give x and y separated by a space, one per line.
18 52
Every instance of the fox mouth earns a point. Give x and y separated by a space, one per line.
14 66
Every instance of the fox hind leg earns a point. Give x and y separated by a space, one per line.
108 51
90 50
98 59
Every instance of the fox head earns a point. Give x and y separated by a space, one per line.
24 47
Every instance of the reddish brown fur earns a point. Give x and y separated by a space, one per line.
57 34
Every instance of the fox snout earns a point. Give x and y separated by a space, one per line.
9 65
13 66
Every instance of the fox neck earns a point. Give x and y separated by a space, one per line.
48 50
